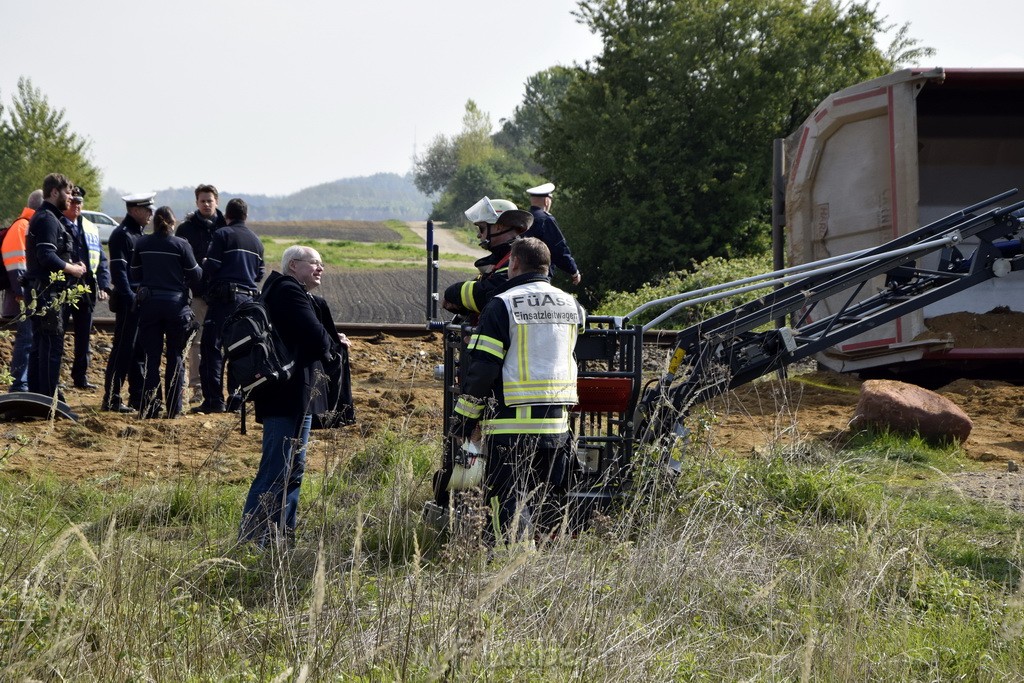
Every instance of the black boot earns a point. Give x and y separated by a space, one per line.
114 405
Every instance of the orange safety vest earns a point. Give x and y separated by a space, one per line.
13 247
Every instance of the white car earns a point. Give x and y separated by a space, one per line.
105 223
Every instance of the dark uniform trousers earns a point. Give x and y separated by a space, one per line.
529 474
164 315
47 352
80 318
126 361
211 366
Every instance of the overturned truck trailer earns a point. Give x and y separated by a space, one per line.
878 159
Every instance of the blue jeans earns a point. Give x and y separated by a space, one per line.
271 508
19 355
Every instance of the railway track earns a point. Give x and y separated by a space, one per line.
660 338
350 329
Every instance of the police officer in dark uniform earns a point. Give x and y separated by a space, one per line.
546 229
87 249
125 356
48 247
197 229
233 266
165 269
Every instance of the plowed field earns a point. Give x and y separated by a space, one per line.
381 296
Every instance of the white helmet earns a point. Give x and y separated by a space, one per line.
487 210
469 467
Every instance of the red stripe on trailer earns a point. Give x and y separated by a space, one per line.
893 196
868 344
867 94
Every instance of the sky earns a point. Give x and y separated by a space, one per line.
272 96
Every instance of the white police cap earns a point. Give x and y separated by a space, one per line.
139 199
541 190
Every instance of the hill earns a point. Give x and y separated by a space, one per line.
373 198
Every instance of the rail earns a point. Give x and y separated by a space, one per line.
658 338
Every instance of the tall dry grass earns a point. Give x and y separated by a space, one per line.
797 564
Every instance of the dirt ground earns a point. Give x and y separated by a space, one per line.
394 388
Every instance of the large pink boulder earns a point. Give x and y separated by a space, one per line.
906 408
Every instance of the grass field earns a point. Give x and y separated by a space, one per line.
355 231
371 246
847 565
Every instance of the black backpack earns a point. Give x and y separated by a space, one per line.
257 361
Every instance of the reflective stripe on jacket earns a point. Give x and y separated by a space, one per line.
525 421
539 367
92 241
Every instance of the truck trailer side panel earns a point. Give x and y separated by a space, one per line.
881 158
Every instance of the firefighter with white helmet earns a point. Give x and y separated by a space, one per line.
498 223
519 389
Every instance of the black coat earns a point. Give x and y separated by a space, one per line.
471 296
122 249
48 244
164 262
294 316
198 232
333 407
235 256
546 229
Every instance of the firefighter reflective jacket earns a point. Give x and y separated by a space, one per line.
522 356
91 234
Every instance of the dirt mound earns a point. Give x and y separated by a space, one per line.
818 406
1000 328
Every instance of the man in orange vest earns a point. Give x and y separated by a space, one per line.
15 264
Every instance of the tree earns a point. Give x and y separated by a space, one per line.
463 168
435 169
520 134
35 140
662 147
474 146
